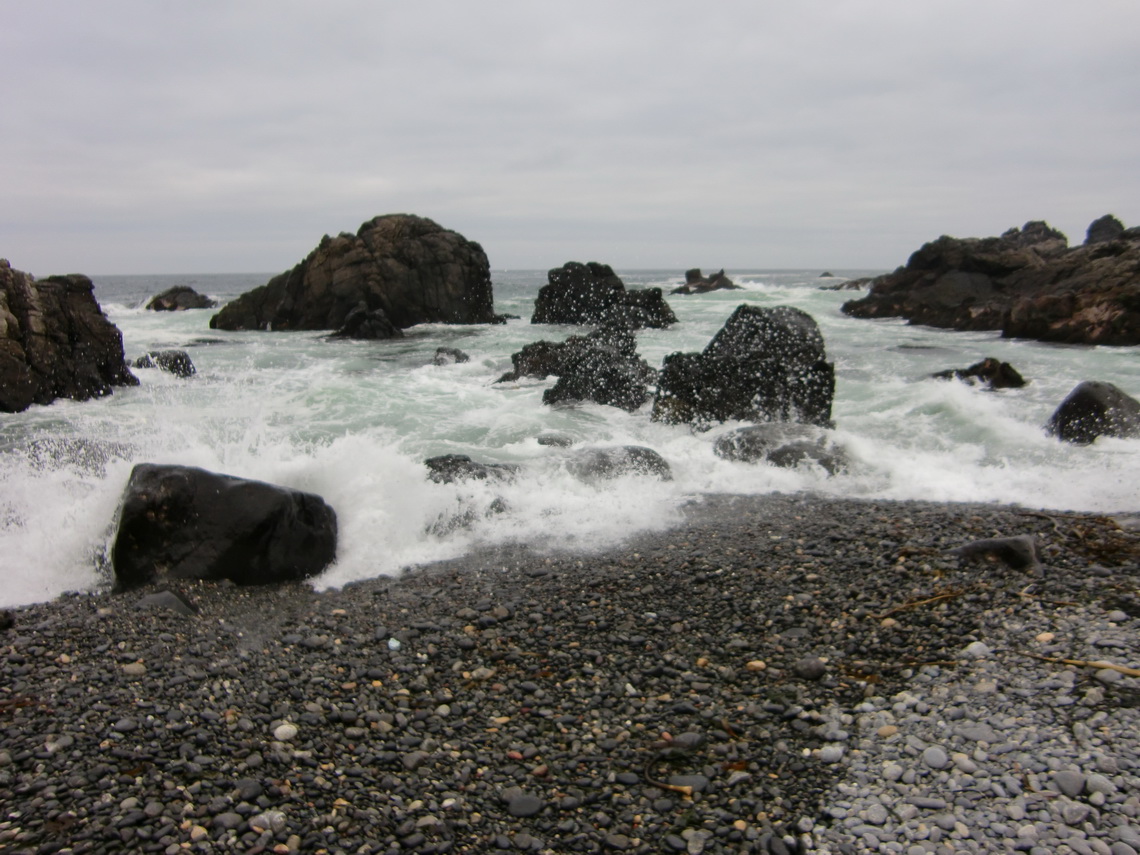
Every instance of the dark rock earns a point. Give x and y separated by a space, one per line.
7 620
593 294
1095 409
178 299
765 364
176 362
1019 552
810 668
1103 230
602 367
827 274
1027 283
557 440
186 523
781 444
990 371
848 285
596 464
451 468
524 804
409 267
449 356
695 283
366 324
55 341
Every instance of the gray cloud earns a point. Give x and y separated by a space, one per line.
144 137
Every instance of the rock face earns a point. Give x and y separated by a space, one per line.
764 365
408 267
176 362
593 294
367 324
695 283
178 299
991 372
1095 409
602 367
1027 283
186 523
55 341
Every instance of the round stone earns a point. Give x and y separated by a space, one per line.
935 757
285 732
524 804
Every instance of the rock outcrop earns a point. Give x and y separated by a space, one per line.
1095 409
179 299
181 522
764 365
592 294
602 367
1027 283
695 283
55 341
408 267
176 362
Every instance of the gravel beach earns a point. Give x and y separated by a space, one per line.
780 674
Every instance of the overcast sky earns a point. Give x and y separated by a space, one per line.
179 137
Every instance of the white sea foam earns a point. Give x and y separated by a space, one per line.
354 421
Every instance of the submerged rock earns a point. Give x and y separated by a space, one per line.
784 445
450 468
991 372
593 294
598 464
181 522
765 364
410 268
55 341
1095 409
179 299
449 356
176 362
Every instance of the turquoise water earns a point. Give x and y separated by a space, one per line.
353 421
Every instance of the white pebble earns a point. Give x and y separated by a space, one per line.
285 732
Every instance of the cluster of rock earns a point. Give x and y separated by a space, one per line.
1028 283
397 271
55 341
695 283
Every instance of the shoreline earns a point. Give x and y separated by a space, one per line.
759 655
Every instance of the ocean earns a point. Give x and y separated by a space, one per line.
354 421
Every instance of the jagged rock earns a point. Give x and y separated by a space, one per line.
593 294
180 522
178 299
598 464
367 324
781 444
695 283
452 468
765 364
449 356
1027 283
408 267
992 372
1095 409
602 366
55 341
176 362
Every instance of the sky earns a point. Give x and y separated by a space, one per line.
211 136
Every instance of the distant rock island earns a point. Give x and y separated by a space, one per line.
1028 283
695 283
398 270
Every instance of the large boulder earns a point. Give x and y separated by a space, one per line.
764 365
179 299
1027 283
1095 409
55 341
181 522
592 294
602 367
410 268
695 283
176 362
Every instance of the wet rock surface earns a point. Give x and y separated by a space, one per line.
179 299
593 294
781 674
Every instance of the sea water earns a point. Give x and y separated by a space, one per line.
354 421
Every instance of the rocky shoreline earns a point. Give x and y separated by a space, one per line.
781 674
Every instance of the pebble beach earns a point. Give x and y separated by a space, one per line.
781 674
